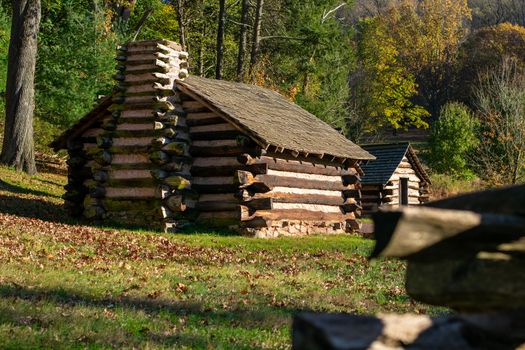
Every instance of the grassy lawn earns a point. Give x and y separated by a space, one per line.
67 285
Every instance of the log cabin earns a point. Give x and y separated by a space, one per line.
394 179
167 150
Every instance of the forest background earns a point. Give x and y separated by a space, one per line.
368 68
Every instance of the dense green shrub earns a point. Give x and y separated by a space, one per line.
453 137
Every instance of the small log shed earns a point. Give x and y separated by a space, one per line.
394 179
166 150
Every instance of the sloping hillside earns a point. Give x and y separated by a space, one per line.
64 285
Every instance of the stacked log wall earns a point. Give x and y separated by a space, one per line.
424 192
298 196
215 148
377 195
242 186
371 198
391 192
141 173
81 152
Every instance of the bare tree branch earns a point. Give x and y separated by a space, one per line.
326 14
281 37
141 22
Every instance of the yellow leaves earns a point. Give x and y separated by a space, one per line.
292 92
123 265
164 21
408 42
181 288
486 48
276 302
245 273
428 32
108 313
155 294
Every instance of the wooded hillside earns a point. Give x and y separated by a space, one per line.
361 66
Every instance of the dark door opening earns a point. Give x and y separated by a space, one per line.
403 191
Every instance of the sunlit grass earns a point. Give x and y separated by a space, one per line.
67 285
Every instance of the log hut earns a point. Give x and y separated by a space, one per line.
166 150
394 179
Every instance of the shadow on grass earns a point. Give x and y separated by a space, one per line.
20 190
48 211
199 229
53 212
50 167
42 209
34 208
89 334
236 318
49 182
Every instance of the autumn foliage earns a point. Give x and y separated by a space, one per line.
484 50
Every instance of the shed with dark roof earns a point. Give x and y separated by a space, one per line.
167 149
396 177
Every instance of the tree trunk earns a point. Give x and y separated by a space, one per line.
242 40
306 82
180 20
201 58
202 47
124 10
18 146
141 22
220 39
256 39
515 172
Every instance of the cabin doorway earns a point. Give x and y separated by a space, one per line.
403 191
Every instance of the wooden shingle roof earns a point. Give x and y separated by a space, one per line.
266 116
271 119
388 158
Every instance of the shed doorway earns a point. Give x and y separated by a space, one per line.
403 191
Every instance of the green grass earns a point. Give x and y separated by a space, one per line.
67 285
